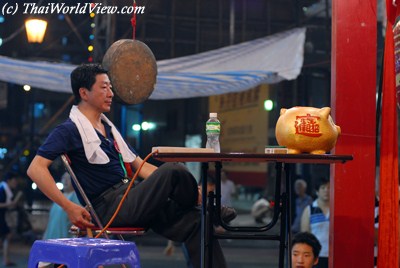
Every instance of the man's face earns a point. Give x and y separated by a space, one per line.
299 189
100 96
324 191
303 256
13 183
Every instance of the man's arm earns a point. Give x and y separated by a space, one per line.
146 170
233 189
11 204
39 172
305 220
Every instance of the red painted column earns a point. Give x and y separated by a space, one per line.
353 89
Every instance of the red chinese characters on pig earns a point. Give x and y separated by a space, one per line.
306 130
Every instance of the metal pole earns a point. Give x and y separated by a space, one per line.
232 23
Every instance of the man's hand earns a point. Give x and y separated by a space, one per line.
11 205
199 196
14 203
79 216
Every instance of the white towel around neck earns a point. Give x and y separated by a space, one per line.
91 141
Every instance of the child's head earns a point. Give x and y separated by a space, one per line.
305 250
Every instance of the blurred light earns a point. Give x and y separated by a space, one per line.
90 59
152 125
2 19
61 17
64 40
3 152
148 125
92 15
268 105
90 48
60 186
145 126
27 87
35 30
34 186
26 152
93 25
1 41
66 57
91 37
136 127
39 105
38 109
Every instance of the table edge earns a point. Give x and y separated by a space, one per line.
252 157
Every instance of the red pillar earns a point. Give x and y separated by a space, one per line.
354 45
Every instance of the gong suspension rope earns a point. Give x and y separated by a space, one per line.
133 20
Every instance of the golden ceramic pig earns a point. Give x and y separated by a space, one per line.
306 130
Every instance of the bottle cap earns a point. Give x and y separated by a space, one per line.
213 115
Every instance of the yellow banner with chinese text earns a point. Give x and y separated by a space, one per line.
244 126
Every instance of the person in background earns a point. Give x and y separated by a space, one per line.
58 225
302 200
227 213
315 219
24 226
170 248
261 210
8 200
228 189
305 250
376 228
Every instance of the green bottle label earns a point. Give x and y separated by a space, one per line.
213 127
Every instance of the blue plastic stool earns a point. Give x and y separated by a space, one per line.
84 252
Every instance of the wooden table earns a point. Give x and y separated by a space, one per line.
282 201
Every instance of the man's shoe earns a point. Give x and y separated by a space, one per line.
228 214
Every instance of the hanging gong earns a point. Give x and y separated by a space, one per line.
132 69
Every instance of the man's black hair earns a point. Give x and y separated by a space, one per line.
85 76
10 175
309 239
321 181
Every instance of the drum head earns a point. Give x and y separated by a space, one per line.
132 69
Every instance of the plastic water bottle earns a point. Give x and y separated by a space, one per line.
213 128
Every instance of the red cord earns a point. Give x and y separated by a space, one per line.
125 195
133 20
121 202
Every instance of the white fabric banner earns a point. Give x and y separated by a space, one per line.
229 69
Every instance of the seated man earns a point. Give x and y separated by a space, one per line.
305 250
165 201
